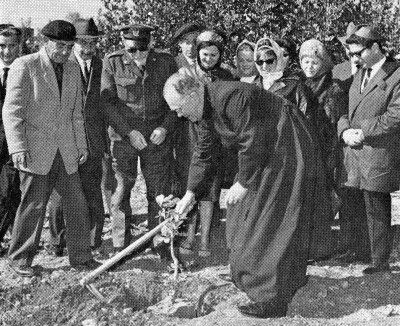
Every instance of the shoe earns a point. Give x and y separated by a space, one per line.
86 266
271 309
380 268
55 250
23 271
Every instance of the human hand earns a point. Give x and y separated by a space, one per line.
158 135
137 140
235 194
82 155
21 159
353 137
186 203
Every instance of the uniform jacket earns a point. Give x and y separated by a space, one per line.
374 165
95 122
124 87
37 119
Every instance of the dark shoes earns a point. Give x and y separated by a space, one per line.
379 268
86 266
23 271
55 250
271 309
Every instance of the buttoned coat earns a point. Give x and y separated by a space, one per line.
375 164
37 119
95 122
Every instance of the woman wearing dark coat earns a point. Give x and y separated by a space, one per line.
275 192
207 69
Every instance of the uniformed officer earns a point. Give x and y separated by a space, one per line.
141 124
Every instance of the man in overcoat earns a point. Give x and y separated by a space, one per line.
141 124
90 172
371 134
45 132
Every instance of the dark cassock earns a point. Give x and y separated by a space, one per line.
268 231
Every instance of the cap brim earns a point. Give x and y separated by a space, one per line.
89 36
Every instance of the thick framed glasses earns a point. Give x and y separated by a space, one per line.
268 62
358 53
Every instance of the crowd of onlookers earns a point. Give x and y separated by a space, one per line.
74 127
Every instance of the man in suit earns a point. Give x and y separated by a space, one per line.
142 125
371 134
46 138
84 54
10 195
353 244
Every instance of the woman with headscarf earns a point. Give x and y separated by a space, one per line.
246 70
329 100
209 46
275 76
275 191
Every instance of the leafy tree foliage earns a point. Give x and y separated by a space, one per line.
296 19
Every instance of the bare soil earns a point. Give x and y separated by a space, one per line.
142 292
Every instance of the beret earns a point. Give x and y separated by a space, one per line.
137 32
4 26
187 29
60 30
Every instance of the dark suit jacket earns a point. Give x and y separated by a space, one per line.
375 165
95 122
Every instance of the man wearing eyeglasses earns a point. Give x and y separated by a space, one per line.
141 124
46 139
370 133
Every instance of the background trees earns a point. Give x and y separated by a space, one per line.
298 19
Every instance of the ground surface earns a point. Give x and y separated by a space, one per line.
143 292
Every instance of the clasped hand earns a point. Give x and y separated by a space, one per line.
138 141
235 194
353 137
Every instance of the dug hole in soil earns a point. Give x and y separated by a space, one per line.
142 292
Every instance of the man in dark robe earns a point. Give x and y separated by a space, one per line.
279 184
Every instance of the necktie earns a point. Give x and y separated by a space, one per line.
59 69
5 75
86 71
367 75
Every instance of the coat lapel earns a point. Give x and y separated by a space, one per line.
49 74
67 75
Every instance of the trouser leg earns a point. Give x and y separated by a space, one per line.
155 162
28 223
378 209
353 223
56 220
124 164
10 197
91 174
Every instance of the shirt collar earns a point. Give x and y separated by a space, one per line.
80 60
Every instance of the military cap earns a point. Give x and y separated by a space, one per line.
187 29
59 30
86 28
137 32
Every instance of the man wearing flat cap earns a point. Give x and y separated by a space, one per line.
142 124
85 54
10 195
370 132
46 138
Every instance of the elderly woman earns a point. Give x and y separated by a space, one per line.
246 70
209 45
330 102
275 76
275 190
